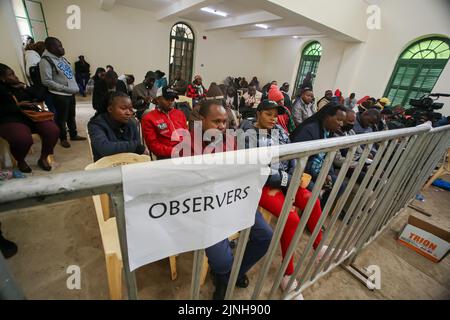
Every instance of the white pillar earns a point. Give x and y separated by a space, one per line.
11 42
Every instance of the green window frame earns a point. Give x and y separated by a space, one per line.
31 13
181 55
309 62
417 70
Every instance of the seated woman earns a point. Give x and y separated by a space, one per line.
16 128
115 131
321 125
273 194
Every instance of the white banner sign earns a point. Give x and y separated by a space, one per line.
170 209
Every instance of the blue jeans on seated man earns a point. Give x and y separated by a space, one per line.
220 255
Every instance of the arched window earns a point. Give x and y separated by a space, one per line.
181 51
308 63
417 70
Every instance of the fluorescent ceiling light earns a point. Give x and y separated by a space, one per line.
295 37
216 12
262 26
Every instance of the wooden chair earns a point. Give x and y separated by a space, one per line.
443 170
108 226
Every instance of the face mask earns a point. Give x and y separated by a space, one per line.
348 127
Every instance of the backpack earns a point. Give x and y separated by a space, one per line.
35 73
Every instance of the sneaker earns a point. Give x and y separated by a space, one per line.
7 248
292 294
65 144
78 138
324 249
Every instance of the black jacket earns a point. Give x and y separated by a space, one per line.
108 137
9 110
309 132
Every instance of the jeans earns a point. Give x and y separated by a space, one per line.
220 256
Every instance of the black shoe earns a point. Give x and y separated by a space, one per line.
24 167
43 164
8 248
242 282
78 138
65 144
221 290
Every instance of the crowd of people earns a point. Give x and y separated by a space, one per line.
145 118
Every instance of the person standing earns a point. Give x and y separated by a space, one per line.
82 74
57 76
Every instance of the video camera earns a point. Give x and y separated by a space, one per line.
423 109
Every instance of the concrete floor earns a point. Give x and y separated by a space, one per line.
53 237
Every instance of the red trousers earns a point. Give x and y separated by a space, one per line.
274 204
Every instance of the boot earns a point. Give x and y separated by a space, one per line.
8 248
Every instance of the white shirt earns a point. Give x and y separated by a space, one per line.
32 59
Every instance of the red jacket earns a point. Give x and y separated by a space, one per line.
157 128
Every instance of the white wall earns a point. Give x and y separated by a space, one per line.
403 21
365 68
11 48
133 41
282 59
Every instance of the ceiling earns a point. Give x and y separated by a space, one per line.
242 16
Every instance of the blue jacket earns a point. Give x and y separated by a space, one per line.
108 137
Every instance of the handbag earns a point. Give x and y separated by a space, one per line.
38 116
36 113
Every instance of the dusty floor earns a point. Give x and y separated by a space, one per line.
52 238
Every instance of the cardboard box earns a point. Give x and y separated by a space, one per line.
426 237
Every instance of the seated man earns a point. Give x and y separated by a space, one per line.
160 126
347 130
365 122
220 257
115 131
249 101
143 94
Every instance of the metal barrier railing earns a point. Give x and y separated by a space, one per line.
403 162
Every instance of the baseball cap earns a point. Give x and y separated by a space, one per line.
166 93
150 75
269 105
